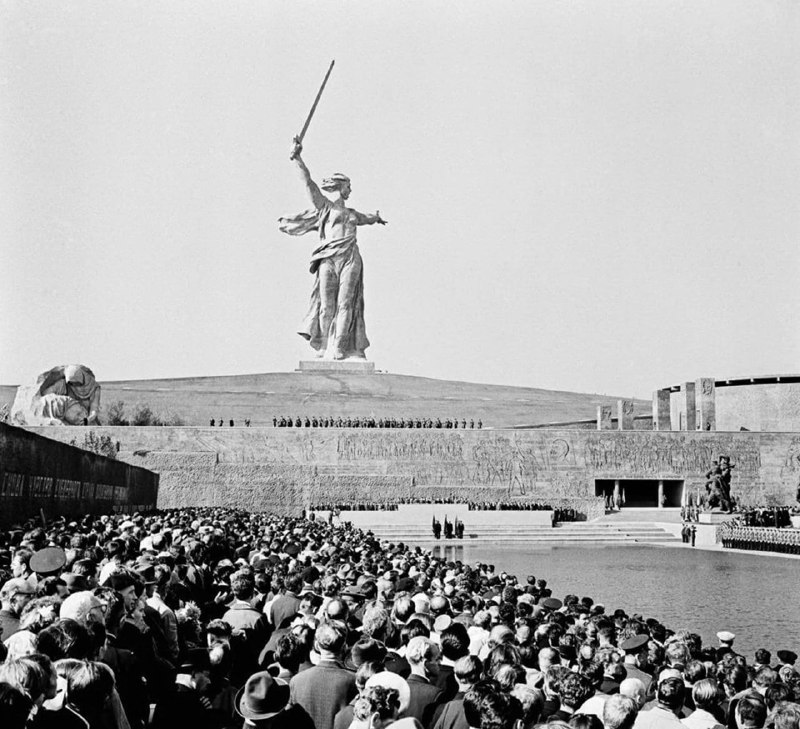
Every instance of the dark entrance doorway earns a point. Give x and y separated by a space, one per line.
642 493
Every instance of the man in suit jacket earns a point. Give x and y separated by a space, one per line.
451 715
633 648
424 658
327 687
284 607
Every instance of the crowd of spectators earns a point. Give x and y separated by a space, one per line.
560 513
211 619
373 422
336 508
767 516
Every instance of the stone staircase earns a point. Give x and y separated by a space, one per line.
510 533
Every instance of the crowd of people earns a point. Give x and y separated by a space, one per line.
335 509
560 513
373 422
767 516
216 618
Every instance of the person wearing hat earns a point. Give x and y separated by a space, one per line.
48 561
635 649
786 658
726 639
264 702
185 705
15 594
83 607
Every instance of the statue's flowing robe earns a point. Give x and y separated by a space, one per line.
344 252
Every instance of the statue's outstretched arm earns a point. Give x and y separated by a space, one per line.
318 200
369 218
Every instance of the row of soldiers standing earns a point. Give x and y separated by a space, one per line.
371 422
760 539
452 529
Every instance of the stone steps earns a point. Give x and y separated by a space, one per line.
516 533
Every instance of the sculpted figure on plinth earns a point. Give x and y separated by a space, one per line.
64 395
334 324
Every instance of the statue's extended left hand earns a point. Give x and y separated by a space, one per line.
379 219
297 148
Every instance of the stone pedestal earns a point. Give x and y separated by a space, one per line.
340 366
661 417
713 517
705 395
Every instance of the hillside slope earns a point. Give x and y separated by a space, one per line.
260 397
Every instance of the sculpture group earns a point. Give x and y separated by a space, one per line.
64 395
718 485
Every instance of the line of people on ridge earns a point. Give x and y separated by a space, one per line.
231 423
218 618
372 422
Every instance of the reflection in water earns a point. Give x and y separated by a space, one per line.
750 595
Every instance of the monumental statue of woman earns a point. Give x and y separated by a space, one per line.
334 324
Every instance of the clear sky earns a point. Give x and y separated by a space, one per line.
583 195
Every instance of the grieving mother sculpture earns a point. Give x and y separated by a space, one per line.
334 324
64 395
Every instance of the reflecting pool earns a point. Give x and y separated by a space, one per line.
754 596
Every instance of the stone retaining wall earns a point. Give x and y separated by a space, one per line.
286 469
38 473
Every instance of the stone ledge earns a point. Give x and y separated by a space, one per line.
349 366
714 517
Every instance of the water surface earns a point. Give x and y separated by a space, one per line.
753 596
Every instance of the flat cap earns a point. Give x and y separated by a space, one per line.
48 560
633 643
551 603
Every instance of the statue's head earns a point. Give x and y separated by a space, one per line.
337 182
75 413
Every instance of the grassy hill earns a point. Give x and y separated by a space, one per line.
260 397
